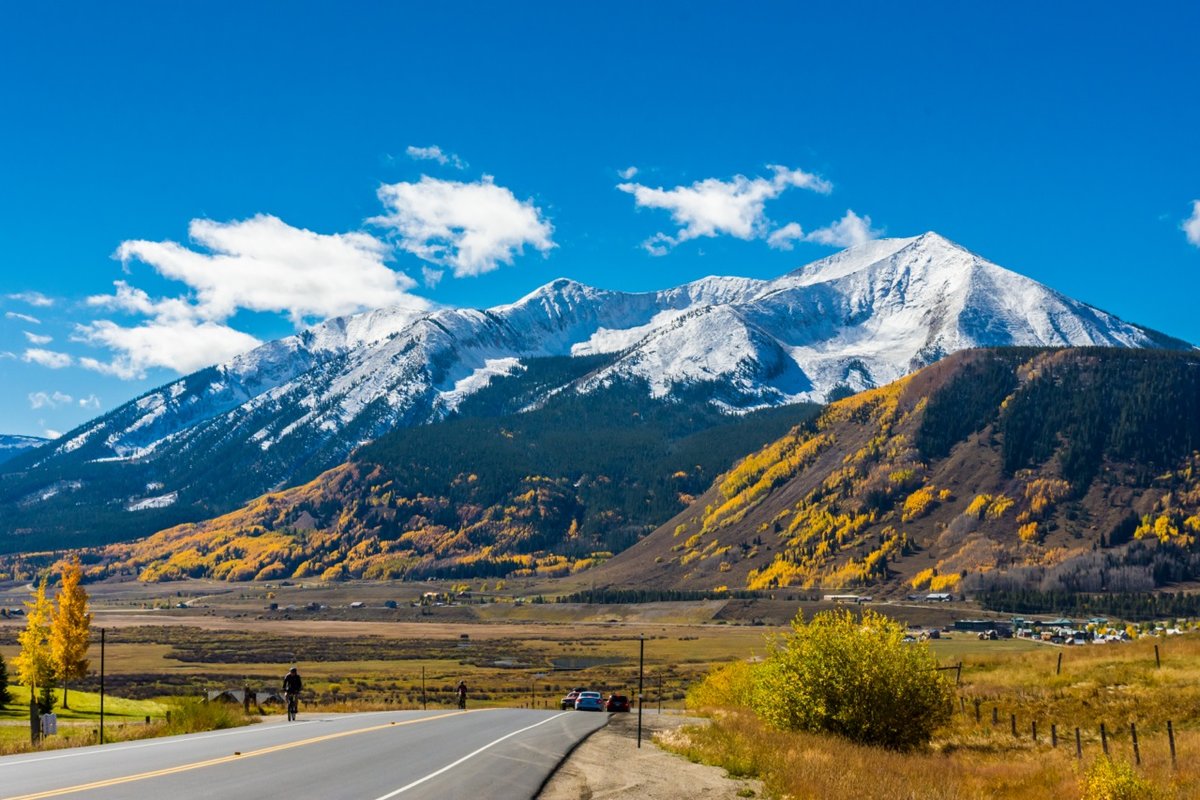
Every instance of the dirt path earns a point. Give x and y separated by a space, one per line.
608 766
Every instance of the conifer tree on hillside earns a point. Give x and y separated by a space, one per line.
35 664
5 695
70 627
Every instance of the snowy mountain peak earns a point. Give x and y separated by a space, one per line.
859 318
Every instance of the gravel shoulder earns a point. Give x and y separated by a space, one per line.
609 766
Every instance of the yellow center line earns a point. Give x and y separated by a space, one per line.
212 762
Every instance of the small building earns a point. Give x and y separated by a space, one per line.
938 597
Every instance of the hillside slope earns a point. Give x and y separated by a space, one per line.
483 495
279 415
1060 470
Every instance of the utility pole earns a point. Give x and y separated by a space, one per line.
102 686
641 673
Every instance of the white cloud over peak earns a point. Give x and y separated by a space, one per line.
49 400
472 228
37 338
435 153
22 317
848 231
1191 225
182 345
784 238
32 298
264 264
50 433
47 358
713 207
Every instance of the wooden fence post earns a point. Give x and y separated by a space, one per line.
977 702
995 715
1078 745
1014 726
1157 661
1058 669
1137 754
1034 724
1103 738
1053 735
1171 739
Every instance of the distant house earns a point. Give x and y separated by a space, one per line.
938 597
357 604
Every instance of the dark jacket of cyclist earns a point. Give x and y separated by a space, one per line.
292 682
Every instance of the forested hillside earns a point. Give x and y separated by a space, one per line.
994 470
487 493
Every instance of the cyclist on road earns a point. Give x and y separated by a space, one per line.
291 690
462 694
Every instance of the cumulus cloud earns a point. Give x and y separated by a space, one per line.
848 231
32 298
37 338
713 207
49 400
472 228
784 238
183 345
627 173
1191 225
435 153
50 433
47 358
22 318
264 264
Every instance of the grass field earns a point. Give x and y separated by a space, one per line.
1019 741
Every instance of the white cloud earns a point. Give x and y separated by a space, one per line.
22 317
91 402
785 237
713 207
627 173
264 264
846 232
50 433
470 227
47 358
7 354
1191 225
182 345
49 400
36 338
432 277
435 153
33 298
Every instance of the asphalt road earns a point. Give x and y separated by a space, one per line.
489 753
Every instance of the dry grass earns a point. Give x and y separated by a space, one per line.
814 767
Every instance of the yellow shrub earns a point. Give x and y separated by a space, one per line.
1028 532
922 578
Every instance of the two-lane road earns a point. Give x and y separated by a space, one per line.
489 753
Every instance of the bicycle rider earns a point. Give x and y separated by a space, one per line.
462 694
291 687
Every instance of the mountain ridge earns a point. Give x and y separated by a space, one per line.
281 414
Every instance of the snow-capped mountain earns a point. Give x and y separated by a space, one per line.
11 446
860 318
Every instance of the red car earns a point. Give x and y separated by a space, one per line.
617 702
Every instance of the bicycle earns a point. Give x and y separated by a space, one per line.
293 705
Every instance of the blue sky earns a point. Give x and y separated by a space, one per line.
264 165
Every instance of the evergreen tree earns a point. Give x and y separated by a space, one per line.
5 695
35 664
70 627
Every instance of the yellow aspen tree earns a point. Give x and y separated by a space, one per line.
70 627
35 665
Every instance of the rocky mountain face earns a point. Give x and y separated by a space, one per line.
1010 470
284 412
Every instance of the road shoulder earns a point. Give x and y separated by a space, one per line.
609 766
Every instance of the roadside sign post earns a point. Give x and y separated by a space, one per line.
641 672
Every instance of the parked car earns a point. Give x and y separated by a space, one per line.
569 700
589 701
617 702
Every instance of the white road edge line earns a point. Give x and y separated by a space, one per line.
468 756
